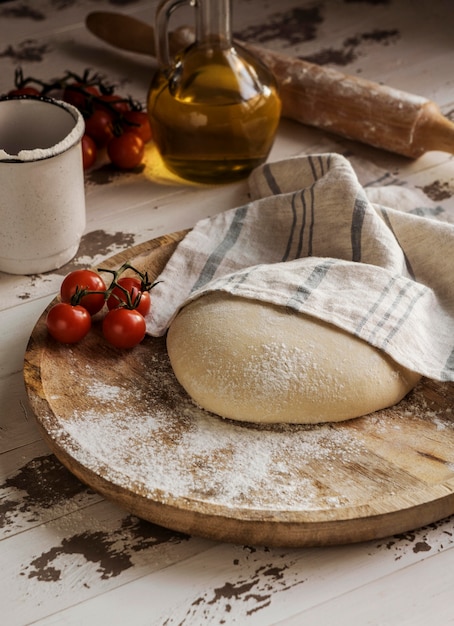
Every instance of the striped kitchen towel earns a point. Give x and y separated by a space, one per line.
312 240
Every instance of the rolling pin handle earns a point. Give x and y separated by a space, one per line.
433 131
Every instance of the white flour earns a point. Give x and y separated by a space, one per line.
131 423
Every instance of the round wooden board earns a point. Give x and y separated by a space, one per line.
122 424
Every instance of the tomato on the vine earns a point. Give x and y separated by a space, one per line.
137 122
67 323
84 279
144 304
100 127
126 151
79 95
112 101
89 151
124 328
141 300
24 91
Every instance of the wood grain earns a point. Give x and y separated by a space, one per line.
122 424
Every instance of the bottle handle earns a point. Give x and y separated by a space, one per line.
163 14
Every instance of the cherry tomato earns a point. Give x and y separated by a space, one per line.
67 323
89 151
133 286
126 151
124 328
144 304
112 101
100 127
137 122
24 91
84 279
79 95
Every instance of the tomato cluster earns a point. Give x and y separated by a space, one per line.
114 125
83 294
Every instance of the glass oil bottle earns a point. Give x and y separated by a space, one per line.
214 108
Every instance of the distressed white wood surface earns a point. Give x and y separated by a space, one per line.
68 556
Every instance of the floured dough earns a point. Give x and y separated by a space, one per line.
252 361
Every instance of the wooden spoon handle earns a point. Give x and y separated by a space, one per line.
122 31
128 33
345 105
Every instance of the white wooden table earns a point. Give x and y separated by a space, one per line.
68 556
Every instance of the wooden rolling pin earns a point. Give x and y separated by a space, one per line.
345 105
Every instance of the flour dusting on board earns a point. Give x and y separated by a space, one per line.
130 421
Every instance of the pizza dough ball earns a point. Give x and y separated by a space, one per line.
253 361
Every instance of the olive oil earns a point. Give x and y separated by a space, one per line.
214 113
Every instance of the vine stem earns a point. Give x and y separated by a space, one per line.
146 285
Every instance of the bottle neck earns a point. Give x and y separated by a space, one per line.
213 25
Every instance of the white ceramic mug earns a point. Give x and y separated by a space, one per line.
42 198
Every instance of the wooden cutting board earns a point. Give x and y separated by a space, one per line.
122 424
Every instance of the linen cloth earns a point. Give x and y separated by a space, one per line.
310 239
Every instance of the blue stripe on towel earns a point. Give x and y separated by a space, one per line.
312 224
303 225
411 305
385 215
310 284
272 184
292 228
218 254
359 211
392 307
377 303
